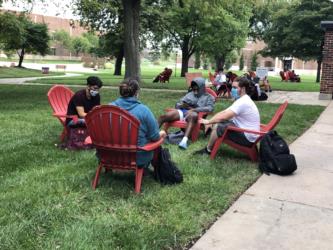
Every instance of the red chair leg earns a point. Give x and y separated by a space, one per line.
138 179
215 148
254 154
63 135
195 133
98 171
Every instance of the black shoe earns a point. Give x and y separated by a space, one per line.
203 151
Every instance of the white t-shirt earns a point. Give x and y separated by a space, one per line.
247 116
221 78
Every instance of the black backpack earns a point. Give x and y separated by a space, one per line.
166 170
275 156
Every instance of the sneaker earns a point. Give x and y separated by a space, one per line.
182 145
203 151
270 90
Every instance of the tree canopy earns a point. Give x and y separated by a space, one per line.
21 34
296 32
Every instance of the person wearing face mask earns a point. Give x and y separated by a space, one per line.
197 100
148 130
83 101
243 113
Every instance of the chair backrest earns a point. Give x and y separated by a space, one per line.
211 92
114 133
211 77
190 76
59 97
276 118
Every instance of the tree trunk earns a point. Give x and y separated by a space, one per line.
318 70
185 56
119 62
197 63
21 55
219 62
185 59
131 37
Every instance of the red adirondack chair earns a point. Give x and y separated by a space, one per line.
183 124
252 151
114 133
59 97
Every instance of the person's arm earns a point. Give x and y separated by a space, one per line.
224 115
209 107
80 111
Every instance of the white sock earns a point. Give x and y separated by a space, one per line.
208 150
185 139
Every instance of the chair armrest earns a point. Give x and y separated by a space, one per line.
169 109
152 145
64 115
245 130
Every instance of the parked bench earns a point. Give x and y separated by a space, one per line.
61 66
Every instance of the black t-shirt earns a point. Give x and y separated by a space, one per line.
80 99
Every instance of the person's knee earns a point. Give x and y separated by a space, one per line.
193 117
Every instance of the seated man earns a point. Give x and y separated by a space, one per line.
148 130
83 101
243 113
197 100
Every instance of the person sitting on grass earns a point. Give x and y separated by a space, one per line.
243 113
265 84
83 101
148 130
197 100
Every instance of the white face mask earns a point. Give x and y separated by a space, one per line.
94 93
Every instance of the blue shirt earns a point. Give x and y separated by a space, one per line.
148 130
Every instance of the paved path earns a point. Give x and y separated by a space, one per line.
310 98
294 212
25 79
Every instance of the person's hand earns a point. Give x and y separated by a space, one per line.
163 134
204 121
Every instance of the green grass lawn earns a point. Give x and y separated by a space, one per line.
10 72
46 196
308 83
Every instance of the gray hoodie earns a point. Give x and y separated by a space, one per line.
204 102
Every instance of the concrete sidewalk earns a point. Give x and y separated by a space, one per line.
294 212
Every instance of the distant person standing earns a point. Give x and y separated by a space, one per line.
83 101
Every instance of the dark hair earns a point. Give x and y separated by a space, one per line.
129 87
243 82
94 80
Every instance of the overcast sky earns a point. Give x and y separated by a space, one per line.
59 8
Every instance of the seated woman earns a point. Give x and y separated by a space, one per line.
148 131
265 84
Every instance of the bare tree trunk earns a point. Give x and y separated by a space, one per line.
319 61
219 62
21 55
131 37
197 63
119 62
185 59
